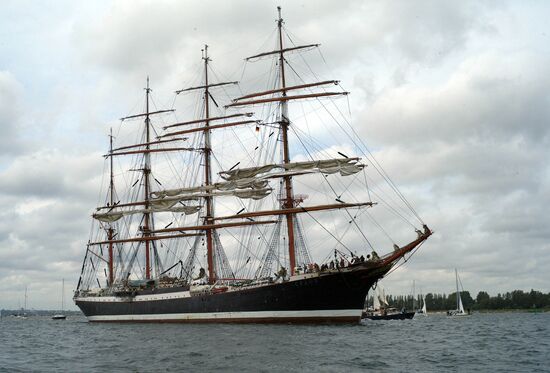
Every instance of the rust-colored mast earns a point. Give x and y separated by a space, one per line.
288 202
146 174
207 172
111 203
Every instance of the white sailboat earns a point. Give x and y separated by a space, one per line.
381 308
459 307
61 316
22 314
423 310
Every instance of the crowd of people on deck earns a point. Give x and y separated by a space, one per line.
335 264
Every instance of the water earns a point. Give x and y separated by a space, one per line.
503 342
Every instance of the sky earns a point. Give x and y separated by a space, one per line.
452 96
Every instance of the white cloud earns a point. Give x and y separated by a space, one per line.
10 91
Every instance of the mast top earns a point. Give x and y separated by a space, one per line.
205 53
280 20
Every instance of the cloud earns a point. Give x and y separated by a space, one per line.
472 150
10 91
50 173
483 99
47 198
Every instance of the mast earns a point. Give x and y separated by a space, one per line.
146 175
62 294
207 172
288 202
111 203
457 293
413 296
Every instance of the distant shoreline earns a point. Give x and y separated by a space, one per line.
5 313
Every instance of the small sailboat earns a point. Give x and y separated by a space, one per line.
22 314
61 316
459 306
381 309
423 310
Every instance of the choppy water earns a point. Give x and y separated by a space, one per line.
515 342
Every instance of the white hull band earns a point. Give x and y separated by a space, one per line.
239 317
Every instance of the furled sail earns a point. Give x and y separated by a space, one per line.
113 216
240 193
382 298
253 184
346 166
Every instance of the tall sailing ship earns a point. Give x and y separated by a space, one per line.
157 248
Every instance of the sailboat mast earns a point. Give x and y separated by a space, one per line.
457 293
207 172
288 202
111 203
62 294
414 295
146 174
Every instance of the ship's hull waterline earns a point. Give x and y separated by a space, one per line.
335 297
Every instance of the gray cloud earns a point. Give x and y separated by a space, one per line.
50 174
10 90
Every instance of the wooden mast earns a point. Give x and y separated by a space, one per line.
301 86
288 202
207 172
146 174
111 203
195 121
211 127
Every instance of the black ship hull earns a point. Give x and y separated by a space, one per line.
335 296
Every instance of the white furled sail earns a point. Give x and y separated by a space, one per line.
382 298
108 217
346 166
112 216
239 193
227 185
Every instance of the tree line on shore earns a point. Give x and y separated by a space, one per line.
517 299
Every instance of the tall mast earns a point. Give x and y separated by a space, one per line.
111 202
207 172
288 202
146 174
62 294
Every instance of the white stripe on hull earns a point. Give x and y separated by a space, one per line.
137 298
222 316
